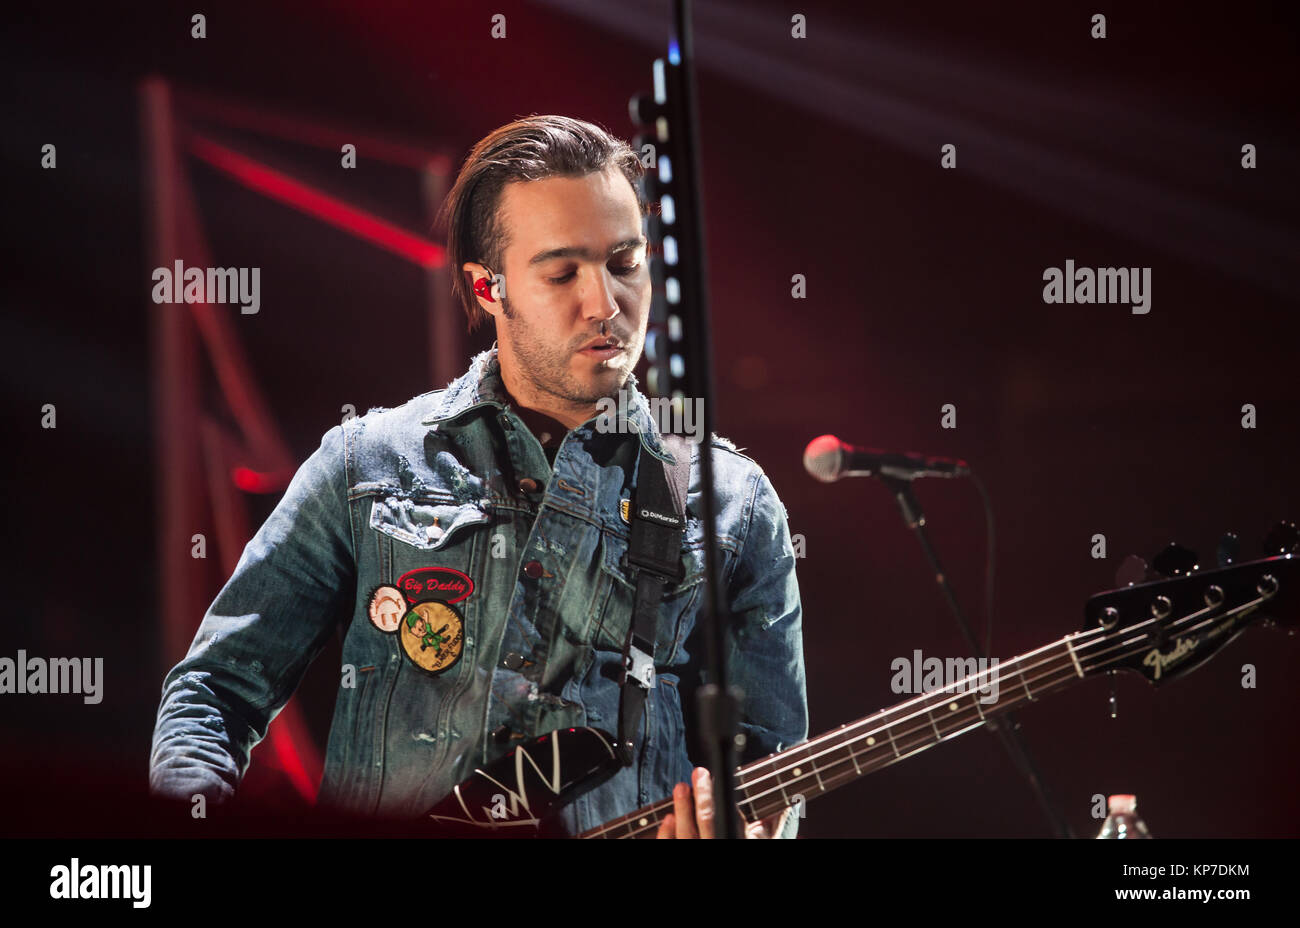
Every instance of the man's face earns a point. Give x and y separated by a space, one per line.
574 259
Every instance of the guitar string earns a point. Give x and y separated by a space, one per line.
928 740
925 702
841 738
667 805
1079 642
654 818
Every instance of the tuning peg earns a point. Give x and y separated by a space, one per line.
1229 548
1175 560
1133 570
1282 538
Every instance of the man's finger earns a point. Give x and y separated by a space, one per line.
703 787
683 812
667 827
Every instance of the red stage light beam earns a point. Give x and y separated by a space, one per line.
283 188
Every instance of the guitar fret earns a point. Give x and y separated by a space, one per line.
889 730
1025 683
798 773
1070 648
853 756
930 715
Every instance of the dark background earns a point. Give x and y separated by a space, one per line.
821 157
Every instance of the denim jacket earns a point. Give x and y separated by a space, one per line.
453 479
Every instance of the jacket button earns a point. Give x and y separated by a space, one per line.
528 485
512 661
534 569
501 733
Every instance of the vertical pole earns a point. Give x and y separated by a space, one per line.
178 470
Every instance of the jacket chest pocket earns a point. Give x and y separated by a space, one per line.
424 604
678 608
415 534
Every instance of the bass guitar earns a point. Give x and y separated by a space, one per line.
1161 629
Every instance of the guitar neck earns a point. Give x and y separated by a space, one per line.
1161 629
787 778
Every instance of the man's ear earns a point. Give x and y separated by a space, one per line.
477 272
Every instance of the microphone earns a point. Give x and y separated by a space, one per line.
828 459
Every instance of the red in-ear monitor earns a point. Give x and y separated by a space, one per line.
483 287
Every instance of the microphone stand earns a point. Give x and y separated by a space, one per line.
1009 733
671 114
718 701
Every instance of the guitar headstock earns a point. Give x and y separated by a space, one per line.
1165 627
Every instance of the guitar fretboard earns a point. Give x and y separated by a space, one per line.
787 778
1225 599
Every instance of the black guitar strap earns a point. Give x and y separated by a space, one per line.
658 520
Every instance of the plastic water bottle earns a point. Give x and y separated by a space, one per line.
1123 821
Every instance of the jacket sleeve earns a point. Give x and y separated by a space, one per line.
294 582
765 647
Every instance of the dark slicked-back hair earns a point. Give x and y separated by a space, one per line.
527 149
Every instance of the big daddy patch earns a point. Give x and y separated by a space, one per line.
444 584
418 609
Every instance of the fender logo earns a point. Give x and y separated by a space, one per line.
1159 662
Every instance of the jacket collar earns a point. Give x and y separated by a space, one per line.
481 386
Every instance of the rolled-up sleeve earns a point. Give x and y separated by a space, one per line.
294 583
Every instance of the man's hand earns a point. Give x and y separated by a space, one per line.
683 823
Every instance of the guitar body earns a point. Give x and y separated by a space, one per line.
516 795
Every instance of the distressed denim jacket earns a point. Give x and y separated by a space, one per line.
453 479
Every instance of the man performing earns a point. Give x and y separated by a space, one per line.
498 508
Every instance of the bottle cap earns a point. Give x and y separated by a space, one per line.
1123 804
